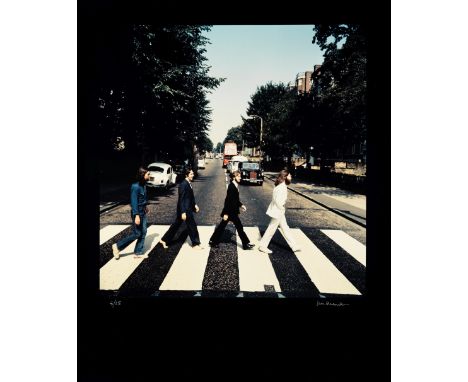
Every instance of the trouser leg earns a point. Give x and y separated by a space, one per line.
240 230
124 242
284 227
270 231
169 235
141 239
192 230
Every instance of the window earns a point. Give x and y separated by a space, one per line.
250 166
155 169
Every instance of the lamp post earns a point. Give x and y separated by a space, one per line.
261 128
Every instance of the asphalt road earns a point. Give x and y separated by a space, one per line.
225 264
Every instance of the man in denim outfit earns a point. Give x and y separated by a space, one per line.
139 211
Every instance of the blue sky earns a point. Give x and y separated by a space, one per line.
249 56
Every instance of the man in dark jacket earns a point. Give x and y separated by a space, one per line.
186 206
230 213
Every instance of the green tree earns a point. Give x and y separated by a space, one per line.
152 84
205 144
234 134
219 147
275 103
341 100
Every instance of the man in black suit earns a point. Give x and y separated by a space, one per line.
230 213
186 206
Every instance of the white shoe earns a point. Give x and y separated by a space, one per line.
198 247
265 250
115 251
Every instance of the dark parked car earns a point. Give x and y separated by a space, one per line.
251 172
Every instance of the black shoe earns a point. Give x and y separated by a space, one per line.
248 246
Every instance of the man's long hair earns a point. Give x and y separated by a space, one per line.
233 174
282 177
140 177
187 171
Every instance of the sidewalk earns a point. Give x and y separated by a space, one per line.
345 203
111 194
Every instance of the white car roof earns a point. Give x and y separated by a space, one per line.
160 164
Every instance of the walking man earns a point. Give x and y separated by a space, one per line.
230 213
186 206
139 210
276 210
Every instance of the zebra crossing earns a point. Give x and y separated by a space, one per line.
314 270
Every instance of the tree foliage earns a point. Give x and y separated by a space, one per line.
275 104
234 134
341 99
153 83
219 147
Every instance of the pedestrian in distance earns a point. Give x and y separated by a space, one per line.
139 211
186 206
276 210
230 212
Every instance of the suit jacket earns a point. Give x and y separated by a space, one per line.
232 202
276 208
186 202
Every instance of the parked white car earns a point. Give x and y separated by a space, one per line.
161 175
201 163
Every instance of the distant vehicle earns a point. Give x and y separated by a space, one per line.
251 172
179 169
228 166
201 163
235 160
161 175
230 149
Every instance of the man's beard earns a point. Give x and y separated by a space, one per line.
287 181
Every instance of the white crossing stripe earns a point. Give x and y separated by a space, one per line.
348 243
110 231
326 277
114 273
188 269
255 268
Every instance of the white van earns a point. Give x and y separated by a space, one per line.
235 162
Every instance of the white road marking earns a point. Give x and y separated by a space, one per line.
348 243
114 273
188 269
326 277
110 231
255 268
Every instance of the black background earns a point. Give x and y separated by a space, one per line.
155 339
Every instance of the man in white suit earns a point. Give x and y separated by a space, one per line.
276 211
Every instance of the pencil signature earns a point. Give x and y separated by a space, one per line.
329 303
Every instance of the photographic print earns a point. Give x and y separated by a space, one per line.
253 140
